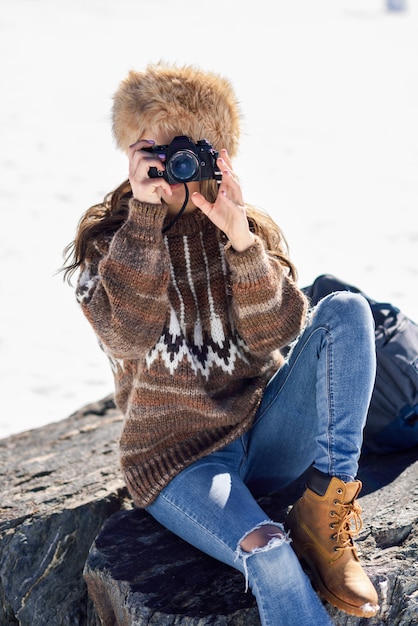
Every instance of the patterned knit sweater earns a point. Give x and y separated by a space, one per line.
192 330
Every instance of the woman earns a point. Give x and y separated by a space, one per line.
192 296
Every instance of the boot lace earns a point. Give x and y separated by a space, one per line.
348 524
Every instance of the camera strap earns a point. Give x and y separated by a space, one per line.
180 213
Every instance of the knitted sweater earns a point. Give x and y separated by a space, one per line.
192 329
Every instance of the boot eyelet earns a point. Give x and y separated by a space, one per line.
336 501
339 491
332 513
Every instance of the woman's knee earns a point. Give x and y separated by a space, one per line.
345 306
261 537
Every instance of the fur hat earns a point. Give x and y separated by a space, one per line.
184 100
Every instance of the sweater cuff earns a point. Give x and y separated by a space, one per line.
148 217
250 265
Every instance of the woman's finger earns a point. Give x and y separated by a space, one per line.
230 182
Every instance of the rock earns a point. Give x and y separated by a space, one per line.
58 484
65 510
139 573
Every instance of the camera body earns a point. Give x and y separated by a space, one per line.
186 161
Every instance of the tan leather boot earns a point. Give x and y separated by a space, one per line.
322 530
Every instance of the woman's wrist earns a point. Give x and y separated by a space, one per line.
243 243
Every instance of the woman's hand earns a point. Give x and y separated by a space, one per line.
144 188
228 211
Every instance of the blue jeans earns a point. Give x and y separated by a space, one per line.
312 413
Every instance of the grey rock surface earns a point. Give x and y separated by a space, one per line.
59 484
66 520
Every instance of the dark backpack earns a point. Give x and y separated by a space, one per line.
392 420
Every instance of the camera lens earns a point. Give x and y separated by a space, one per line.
183 166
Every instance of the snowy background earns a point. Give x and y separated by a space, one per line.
329 91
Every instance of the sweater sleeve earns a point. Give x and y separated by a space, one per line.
269 309
123 293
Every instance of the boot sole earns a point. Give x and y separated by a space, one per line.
327 594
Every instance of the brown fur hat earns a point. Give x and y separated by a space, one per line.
184 100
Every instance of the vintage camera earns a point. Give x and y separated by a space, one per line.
186 161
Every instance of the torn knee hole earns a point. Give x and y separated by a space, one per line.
261 537
264 537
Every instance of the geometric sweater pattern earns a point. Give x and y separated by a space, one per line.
193 332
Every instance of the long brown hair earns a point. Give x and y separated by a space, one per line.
101 221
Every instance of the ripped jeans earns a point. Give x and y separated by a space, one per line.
312 413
